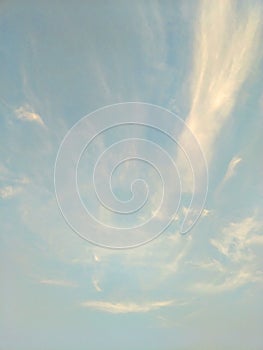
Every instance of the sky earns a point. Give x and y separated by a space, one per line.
93 250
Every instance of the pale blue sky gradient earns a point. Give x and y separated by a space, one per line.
59 61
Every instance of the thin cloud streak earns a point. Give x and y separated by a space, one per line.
232 282
126 307
231 170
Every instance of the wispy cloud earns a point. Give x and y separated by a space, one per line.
13 184
231 169
209 265
226 46
206 212
27 113
234 243
126 307
241 265
96 284
153 33
173 266
59 283
233 281
9 192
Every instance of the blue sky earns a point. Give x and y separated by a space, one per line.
61 61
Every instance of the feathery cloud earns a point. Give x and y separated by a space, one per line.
226 46
236 239
233 281
126 307
241 265
231 169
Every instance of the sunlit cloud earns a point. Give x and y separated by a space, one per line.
27 113
231 169
9 192
226 47
206 212
126 307
96 258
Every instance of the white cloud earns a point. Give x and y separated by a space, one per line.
236 238
59 283
226 46
206 212
126 307
96 258
231 169
233 281
27 113
256 240
241 265
9 191
96 284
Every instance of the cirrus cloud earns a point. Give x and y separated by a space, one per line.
126 307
